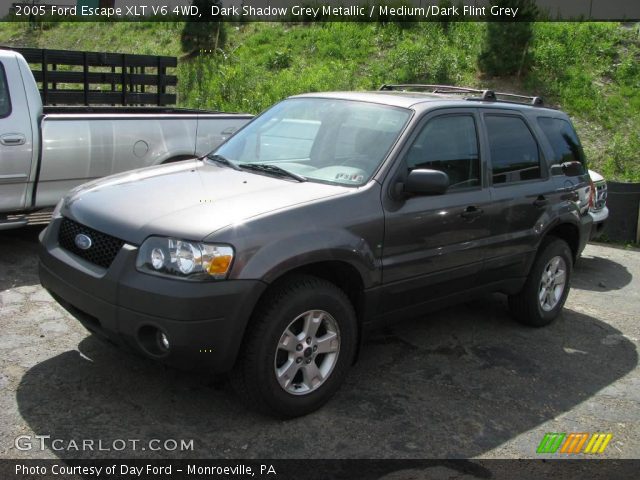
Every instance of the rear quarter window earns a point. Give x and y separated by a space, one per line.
563 140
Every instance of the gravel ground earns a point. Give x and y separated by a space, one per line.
466 382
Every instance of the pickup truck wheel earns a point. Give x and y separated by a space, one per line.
547 286
297 349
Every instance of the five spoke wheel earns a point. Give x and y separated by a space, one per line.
544 292
307 352
552 283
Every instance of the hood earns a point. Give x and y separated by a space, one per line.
189 200
595 176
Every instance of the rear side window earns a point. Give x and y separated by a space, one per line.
449 144
564 141
514 152
5 102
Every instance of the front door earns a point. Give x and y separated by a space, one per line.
434 244
15 139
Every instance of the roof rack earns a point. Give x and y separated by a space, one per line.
484 94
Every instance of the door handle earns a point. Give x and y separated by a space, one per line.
540 202
471 212
13 139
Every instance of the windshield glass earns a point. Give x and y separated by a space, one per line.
321 139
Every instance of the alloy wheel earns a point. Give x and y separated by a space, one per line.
307 352
552 283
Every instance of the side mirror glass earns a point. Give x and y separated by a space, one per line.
573 169
423 181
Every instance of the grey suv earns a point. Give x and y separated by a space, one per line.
328 214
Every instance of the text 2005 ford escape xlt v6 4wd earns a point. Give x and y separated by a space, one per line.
327 214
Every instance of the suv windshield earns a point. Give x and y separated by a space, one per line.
321 139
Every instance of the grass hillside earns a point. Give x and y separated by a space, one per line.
590 70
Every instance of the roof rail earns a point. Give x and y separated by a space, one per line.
484 94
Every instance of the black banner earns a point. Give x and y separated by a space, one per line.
317 469
319 10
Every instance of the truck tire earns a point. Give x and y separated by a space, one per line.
298 347
545 291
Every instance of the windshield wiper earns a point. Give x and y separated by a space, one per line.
223 161
274 169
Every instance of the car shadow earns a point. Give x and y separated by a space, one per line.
17 270
600 274
458 385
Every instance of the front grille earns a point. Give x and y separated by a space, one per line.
601 196
103 249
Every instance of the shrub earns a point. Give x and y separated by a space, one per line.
506 46
279 60
203 33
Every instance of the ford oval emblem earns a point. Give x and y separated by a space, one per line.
83 242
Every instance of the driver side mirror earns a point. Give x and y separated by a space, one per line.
423 181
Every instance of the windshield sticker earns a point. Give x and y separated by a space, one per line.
350 177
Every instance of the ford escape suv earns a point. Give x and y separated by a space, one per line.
328 214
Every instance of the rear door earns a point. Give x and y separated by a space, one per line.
15 137
434 245
522 193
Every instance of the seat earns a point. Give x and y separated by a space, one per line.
370 146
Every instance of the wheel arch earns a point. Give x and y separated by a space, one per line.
568 232
564 230
341 273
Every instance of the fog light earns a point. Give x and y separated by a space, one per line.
164 340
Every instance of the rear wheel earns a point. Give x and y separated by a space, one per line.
298 347
546 289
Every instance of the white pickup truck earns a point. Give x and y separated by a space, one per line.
598 209
45 151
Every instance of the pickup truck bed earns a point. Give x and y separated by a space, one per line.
70 109
79 147
45 151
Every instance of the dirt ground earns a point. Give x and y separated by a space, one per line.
464 382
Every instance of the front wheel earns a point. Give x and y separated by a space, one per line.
298 347
546 289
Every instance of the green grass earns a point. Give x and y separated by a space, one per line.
267 62
593 71
162 38
590 70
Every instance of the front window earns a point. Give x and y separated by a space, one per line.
450 144
326 140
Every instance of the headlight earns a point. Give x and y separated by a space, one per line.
183 259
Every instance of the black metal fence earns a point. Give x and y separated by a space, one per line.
623 201
68 77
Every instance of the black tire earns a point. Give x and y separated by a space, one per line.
254 377
526 306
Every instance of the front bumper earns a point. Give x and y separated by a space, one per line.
204 321
599 218
585 226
